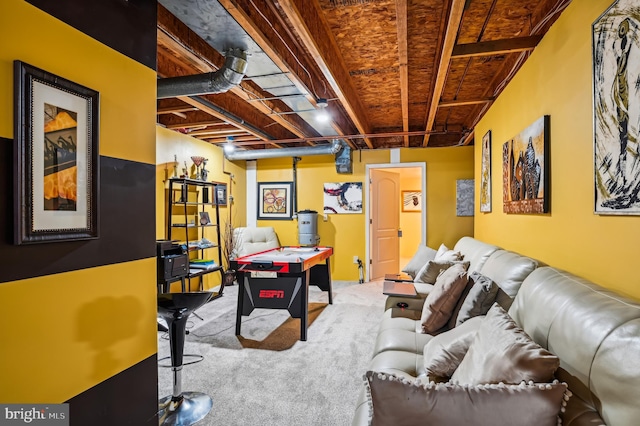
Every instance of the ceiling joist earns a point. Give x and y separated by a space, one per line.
311 26
451 32
401 24
496 47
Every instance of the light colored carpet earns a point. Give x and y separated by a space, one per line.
267 376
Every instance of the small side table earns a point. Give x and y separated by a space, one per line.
402 289
400 277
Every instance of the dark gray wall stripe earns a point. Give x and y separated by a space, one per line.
128 26
127 223
128 398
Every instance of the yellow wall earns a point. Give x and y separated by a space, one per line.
556 80
346 233
65 339
170 145
444 167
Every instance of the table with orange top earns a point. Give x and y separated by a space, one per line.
279 279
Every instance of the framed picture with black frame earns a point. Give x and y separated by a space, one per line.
275 200
56 158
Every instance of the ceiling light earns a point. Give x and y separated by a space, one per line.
322 115
229 146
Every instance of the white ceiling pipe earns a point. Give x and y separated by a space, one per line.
258 154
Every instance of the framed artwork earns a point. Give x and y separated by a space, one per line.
464 197
485 174
616 114
411 201
275 200
205 219
56 158
525 165
221 194
343 197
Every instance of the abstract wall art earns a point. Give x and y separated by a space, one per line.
525 160
616 115
485 174
464 197
343 197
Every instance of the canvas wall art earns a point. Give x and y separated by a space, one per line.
411 201
343 197
526 170
485 174
616 102
464 197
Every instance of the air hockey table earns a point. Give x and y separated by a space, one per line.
279 279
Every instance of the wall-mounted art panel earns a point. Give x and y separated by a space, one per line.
526 170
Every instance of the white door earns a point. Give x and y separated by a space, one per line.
384 222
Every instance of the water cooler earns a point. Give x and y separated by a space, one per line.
308 228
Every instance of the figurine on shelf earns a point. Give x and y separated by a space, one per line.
185 171
175 166
197 160
204 172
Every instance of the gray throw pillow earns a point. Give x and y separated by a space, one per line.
502 352
400 401
445 351
422 256
442 299
432 269
480 298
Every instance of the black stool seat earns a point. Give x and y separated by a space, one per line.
181 408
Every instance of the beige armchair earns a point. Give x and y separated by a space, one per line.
248 240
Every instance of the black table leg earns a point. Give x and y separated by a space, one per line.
329 281
304 305
241 290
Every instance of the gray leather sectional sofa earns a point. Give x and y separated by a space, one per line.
594 332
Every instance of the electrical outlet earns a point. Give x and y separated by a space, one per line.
355 259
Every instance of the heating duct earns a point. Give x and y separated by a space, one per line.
258 154
230 75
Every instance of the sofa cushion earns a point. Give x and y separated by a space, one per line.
502 352
478 300
474 251
441 301
430 271
422 256
444 352
508 270
397 401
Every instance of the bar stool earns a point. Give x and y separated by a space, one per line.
181 408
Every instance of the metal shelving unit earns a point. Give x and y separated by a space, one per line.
188 202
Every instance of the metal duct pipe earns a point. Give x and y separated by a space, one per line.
259 154
225 78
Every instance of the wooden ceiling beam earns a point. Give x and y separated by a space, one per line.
259 20
313 29
496 47
173 110
451 32
193 124
401 25
456 103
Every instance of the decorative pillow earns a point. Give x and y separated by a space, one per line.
479 299
441 250
430 271
444 254
422 256
441 300
396 401
503 352
444 352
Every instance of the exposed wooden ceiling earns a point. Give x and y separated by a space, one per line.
396 73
